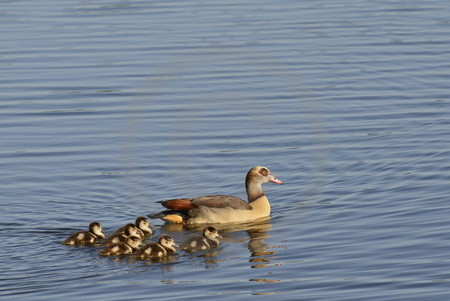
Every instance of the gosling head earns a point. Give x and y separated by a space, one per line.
130 229
167 241
133 242
211 232
97 229
142 222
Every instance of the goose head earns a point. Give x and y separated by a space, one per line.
260 175
255 178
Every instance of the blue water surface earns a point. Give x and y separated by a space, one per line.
110 106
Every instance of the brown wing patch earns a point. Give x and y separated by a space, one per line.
179 204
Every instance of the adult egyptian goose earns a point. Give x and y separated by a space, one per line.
222 208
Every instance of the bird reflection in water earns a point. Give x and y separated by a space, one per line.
261 253
259 250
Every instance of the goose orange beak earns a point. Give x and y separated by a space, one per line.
273 179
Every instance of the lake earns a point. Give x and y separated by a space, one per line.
110 106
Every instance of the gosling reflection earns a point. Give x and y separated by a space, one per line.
152 260
261 253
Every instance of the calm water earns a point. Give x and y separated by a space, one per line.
110 106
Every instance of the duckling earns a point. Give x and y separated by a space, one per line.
132 227
121 248
212 235
208 240
165 245
121 237
86 237
142 227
